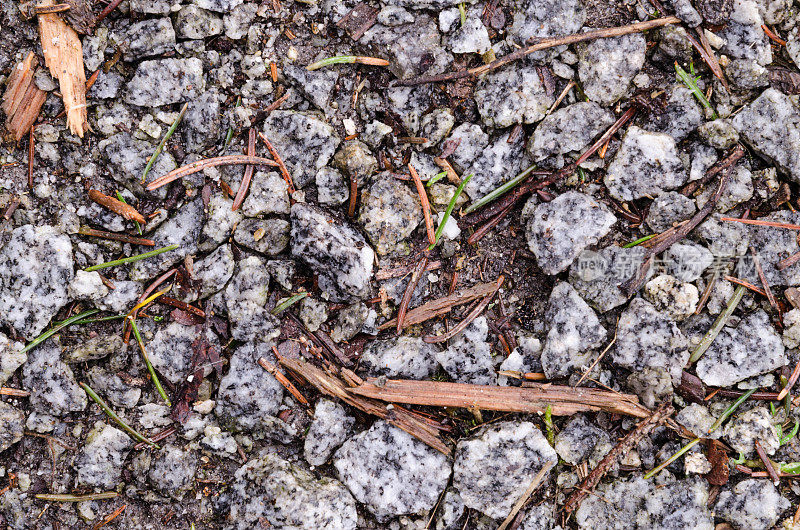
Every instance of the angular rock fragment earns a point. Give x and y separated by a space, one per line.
99 463
749 427
639 503
647 164
35 270
574 330
468 359
648 338
389 213
568 130
51 382
771 126
171 350
581 440
391 472
492 468
751 348
559 230
336 251
164 81
172 471
12 424
303 140
596 276
330 428
249 397
607 66
182 229
752 503
402 357
271 489
512 95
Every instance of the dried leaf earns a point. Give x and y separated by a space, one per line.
718 457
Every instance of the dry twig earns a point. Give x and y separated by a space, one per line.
543 44
398 416
630 441
443 305
248 171
532 398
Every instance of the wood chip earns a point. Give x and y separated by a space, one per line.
358 20
22 99
63 55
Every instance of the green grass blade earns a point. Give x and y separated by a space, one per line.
55 329
131 259
502 190
147 362
719 323
730 410
671 459
691 84
448 211
163 142
639 241
113 415
286 303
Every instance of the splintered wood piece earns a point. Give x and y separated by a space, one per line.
531 398
22 99
63 55
400 417
441 306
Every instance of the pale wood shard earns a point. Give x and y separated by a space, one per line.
63 55
22 99
531 398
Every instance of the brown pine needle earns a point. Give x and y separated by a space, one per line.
183 306
347 59
282 379
200 165
433 339
771 34
760 222
279 163
241 193
110 517
788 262
763 278
125 238
410 288
745 283
426 207
14 392
773 473
277 103
351 203
118 207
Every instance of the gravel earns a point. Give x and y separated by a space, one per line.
559 230
497 463
391 472
240 449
